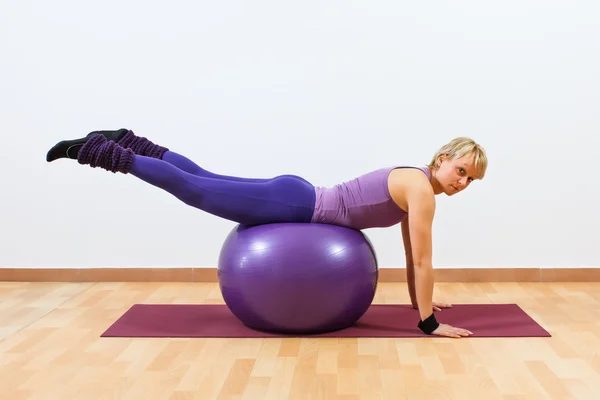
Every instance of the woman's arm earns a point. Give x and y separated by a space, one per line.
410 267
421 209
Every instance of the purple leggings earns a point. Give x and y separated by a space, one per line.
248 201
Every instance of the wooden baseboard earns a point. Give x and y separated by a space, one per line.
210 275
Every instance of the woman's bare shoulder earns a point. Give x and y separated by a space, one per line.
404 183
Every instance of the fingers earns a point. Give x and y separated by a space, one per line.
452 332
461 332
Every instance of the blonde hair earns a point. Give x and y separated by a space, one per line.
463 146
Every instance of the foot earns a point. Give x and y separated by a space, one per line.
65 149
115 136
70 148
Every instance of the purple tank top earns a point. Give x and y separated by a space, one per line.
361 203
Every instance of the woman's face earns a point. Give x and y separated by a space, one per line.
455 175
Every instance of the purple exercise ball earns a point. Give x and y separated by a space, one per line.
297 278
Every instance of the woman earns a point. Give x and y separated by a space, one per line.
382 198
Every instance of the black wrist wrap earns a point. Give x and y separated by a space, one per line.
428 325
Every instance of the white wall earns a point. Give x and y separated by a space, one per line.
326 90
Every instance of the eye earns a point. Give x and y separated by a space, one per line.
462 172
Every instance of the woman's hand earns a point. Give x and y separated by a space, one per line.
450 331
436 306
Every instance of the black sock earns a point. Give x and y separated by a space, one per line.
70 148
65 149
114 135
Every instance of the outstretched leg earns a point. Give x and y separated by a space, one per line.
143 147
191 167
280 199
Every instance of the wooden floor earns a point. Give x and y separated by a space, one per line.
50 348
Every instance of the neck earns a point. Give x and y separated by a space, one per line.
434 182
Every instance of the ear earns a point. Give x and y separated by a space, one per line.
441 159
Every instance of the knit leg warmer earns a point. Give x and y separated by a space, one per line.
100 152
142 146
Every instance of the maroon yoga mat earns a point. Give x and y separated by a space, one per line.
383 320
